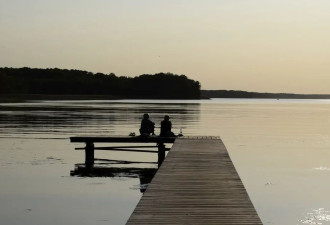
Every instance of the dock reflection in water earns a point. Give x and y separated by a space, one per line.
118 168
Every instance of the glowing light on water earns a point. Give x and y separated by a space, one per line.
317 216
322 168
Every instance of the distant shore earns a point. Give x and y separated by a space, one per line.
246 94
25 97
12 98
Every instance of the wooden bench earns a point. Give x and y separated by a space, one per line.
90 148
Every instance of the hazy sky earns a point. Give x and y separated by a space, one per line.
252 45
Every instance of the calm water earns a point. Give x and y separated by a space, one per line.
281 150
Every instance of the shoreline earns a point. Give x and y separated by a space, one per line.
12 98
15 98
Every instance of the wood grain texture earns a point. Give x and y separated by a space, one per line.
196 184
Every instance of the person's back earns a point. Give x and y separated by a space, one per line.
147 126
165 127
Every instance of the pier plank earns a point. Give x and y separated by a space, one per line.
196 184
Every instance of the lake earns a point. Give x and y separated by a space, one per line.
280 148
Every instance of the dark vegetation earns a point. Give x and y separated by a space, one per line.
60 82
245 94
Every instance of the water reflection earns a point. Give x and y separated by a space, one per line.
117 168
60 118
317 216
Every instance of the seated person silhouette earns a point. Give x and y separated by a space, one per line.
147 126
165 127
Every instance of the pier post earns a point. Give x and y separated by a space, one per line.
161 153
89 154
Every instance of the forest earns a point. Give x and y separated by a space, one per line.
76 82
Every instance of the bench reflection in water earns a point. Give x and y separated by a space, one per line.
145 171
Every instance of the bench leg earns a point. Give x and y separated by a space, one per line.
89 155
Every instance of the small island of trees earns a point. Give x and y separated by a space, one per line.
76 82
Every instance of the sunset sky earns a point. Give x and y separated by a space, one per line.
251 45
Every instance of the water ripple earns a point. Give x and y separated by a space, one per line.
317 216
322 168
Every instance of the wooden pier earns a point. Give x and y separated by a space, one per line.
196 184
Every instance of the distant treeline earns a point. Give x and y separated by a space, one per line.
76 82
245 94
